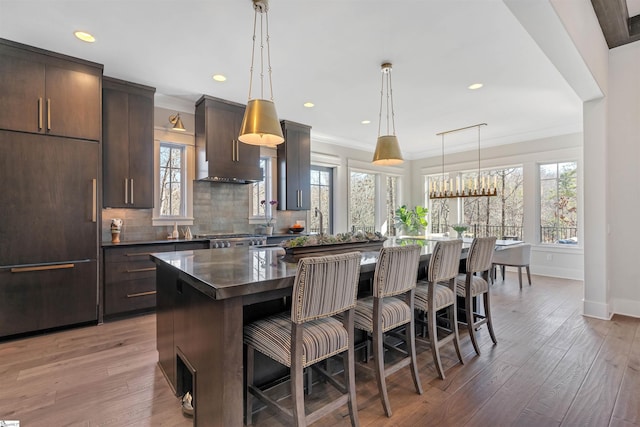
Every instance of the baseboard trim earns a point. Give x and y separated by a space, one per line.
595 309
626 307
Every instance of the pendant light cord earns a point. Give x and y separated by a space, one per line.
264 22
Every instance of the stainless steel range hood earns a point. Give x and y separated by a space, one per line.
220 157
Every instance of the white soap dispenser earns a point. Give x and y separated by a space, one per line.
175 233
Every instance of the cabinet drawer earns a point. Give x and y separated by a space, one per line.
130 295
121 271
134 253
191 246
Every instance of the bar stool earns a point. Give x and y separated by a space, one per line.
324 286
395 275
469 286
431 297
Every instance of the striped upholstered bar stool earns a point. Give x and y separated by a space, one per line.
470 285
432 297
394 276
324 286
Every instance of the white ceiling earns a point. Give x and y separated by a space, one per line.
328 53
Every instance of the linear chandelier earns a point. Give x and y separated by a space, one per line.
444 188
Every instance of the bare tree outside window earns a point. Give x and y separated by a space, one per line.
559 203
501 215
259 190
171 177
321 196
362 203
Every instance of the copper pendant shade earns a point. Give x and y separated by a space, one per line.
387 148
260 125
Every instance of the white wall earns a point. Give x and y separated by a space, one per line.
624 177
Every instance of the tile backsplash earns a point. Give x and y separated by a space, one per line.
217 208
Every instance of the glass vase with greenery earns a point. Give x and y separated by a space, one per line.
411 221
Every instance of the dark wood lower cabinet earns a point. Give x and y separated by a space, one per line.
130 276
44 297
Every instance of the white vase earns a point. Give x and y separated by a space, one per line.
268 231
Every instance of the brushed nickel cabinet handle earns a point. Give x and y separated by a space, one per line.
131 193
126 191
141 294
233 150
39 113
41 268
140 270
48 113
237 150
94 200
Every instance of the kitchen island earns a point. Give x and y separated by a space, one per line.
204 298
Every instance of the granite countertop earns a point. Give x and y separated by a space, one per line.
233 272
149 242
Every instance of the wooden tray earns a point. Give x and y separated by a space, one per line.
330 249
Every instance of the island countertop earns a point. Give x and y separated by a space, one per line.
233 272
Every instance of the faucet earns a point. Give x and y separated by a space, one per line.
317 212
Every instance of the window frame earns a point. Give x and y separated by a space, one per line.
579 243
257 216
327 222
187 143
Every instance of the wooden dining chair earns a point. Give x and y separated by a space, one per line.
323 287
513 256
395 275
432 297
470 285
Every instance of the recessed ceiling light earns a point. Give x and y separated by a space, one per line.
219 77
365 122
309 104
475 86
84 36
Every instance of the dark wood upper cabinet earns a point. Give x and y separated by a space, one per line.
47 93
220 155
294 167
127 136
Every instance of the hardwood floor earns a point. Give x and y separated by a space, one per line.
551 366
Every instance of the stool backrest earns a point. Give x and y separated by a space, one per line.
445 261
325 286
396 270
481 254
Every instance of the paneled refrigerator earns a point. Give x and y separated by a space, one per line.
48 232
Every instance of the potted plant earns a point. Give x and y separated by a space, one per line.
268 216
411 221
460 229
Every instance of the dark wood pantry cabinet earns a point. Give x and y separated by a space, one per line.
220 155
127 144
47 93
294 167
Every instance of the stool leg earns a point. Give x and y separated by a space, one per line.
433 340
378 355
297 377
528 274
248 414
520 276
468 303
411 338
487 313
348 359
453 314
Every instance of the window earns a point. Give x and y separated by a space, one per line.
501 215
263 190
174 172
321 198
559 203
362 201
172 192
388 227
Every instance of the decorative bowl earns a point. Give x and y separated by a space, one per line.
296 229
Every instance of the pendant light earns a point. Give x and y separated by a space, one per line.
445 188
387 148
260 125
